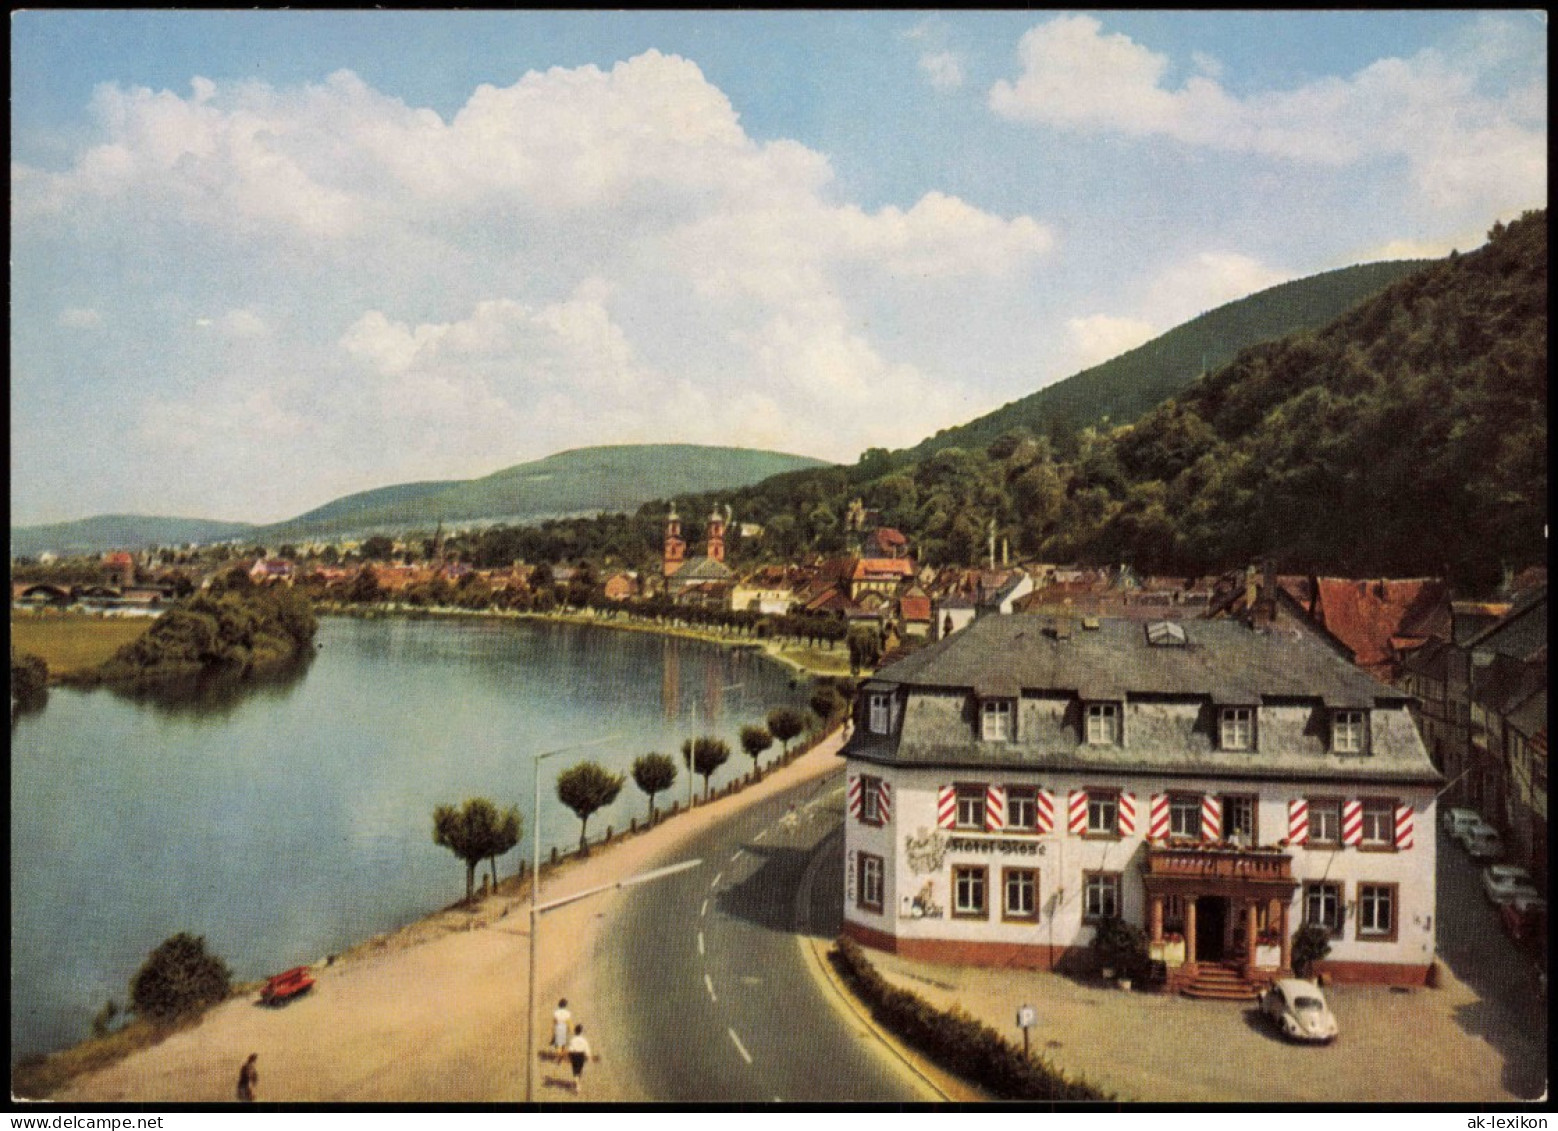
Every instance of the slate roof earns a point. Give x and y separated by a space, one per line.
1220 663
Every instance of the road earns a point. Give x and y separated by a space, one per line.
1510 1013
721 1005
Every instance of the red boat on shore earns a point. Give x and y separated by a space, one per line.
287 985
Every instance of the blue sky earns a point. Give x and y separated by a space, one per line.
261 260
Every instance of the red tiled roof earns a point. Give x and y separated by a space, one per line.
914 608
1366 615
881 567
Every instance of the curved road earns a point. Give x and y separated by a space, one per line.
720 1002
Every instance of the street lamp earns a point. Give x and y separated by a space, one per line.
692 748
535 910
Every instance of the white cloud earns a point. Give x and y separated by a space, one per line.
943 68
1099 337
1464 146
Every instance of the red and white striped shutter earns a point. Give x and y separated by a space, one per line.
1044 811
1298 821
1158 819
854 795
995 808
946 807
1211 816
1127 813
1076 817
1403 826
1352 821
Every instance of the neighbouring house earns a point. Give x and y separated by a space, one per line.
272 571
884 542
915 614
769 590
1382 620
882 576
622 586
119 569
1215 783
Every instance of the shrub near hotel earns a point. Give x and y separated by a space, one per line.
1216 784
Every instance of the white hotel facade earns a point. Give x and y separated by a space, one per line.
1215 784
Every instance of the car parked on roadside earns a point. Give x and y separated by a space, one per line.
1484 843
1503 882
1525 918
1299 1011
1455 821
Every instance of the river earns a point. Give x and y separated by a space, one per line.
288 821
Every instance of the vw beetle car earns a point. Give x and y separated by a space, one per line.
1299 1011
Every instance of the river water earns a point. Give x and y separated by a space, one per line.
286 822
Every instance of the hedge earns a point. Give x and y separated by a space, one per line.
957 1041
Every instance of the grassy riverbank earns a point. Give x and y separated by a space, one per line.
73 643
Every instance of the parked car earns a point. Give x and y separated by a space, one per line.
1299 1011
1454 821
1525 918
1466 830
1484 843
1503 882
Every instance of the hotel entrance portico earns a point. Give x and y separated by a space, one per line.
1219 904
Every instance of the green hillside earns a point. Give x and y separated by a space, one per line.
1127 386
579 481
119 531
1407 437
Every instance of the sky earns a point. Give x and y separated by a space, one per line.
261 260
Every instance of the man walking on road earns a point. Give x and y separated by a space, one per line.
248 1077
578 1053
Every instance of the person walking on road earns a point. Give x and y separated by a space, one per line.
248 1078
561 1017
578 1054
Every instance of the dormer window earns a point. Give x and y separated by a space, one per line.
879 706
995 720
1103 724
1238 728
1347 736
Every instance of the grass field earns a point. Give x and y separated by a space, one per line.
73 642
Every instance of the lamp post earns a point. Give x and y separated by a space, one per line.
692 749
535 910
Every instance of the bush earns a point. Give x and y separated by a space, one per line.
179 978
1311 943
955 1040
1122 947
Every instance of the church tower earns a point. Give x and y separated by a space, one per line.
717 535
675 548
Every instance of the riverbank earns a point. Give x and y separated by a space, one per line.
434 1012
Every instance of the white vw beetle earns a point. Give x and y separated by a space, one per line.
1299 1010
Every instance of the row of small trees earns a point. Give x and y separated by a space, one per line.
477 830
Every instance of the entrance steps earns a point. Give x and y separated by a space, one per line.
1218 982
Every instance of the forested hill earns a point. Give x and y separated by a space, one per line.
1125 387
1407 437
582 480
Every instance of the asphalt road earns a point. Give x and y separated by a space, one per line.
721 1005
1511 1014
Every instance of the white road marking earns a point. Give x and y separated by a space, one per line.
760 835
736 857
718 877
709 982
700 943
741 1048
704 910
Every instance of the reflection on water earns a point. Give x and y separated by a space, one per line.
287 820
217 694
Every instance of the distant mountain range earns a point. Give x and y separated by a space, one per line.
1132 384
580 481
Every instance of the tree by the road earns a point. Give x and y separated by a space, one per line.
510 828
178 978
784 723
703 755
474 832
653 773
584 789
755 740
